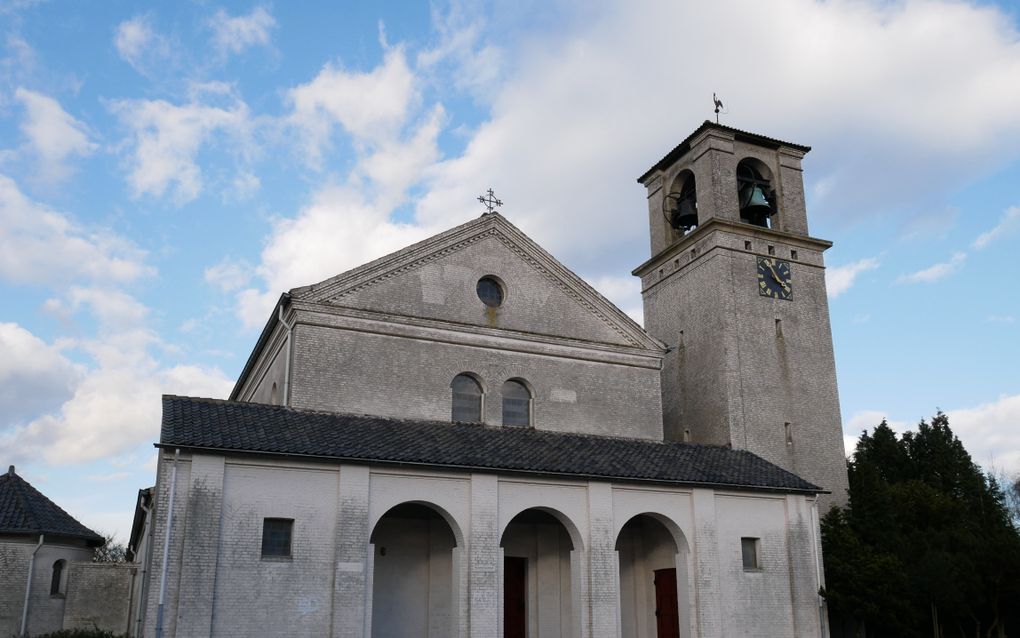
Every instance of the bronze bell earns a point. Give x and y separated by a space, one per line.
684 215
755 206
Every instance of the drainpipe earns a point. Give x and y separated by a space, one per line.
166 547
286 368
818 563
145 567
28 586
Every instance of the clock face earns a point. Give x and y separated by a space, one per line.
774 278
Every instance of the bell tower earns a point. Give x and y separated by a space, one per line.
736 288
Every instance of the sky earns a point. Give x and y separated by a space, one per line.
168 169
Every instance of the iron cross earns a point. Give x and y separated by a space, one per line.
490 201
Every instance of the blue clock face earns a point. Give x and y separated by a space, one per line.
774 278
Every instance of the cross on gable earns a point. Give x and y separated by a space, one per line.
490 201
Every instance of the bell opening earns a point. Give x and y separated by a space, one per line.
756 196
681 208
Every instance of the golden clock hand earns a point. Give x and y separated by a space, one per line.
778 280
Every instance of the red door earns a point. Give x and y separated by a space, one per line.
515 617
667 619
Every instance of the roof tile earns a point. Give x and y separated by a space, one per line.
231 426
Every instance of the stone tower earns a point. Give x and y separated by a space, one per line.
736 288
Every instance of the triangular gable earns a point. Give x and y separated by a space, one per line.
498 238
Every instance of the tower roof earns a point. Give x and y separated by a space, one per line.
744 136
25 510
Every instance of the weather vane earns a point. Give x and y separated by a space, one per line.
490 201
718 107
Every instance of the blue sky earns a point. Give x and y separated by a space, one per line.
167 170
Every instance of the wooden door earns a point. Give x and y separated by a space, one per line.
515 594
667 619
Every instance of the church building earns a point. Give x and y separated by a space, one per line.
464 438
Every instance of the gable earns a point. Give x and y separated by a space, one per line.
437 279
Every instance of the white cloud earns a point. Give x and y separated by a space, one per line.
464 52
1009 223
935 272
244 186
838 280
140 45
372 107
624 292
53 134
347 224
236 33
168 137
34 376
580 108
556 151
115 406
40 245
1000 319
337 231
229 275
991 432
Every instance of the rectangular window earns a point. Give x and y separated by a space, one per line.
750 550
276 536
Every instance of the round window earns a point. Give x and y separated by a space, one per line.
490 292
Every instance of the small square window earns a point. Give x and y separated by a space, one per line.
793 254
750 550
772 250
276 536
747 245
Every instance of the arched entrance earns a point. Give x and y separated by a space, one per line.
537 584
413 576
653 579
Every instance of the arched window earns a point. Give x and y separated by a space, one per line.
467 398
516 403
56 582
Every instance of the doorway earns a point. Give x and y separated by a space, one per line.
667 620
515 596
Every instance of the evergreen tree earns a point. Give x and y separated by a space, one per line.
927 546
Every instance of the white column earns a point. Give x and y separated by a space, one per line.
484 557
201 546
352 607
801 538
708 608
603 577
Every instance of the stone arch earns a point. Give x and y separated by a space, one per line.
541 576
416 551
576 540
679 203
751 170
654 567
455 528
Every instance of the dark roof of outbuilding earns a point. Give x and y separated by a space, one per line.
747 136
24 510
236 427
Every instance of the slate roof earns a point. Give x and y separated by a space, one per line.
685 145
25 510
236 427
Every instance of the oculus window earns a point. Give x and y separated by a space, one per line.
516 403
467 398
276 537
490 292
